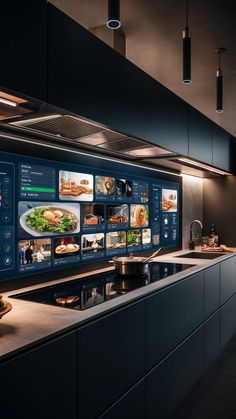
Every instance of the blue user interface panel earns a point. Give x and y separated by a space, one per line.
54 215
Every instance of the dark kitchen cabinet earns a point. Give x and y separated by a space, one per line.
212 289
172 314
111 359
227 279
200 136
221 148
41 383
87 77
212 339
169 382
227 321
23 29
132 405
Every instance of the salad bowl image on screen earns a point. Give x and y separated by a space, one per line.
169 200
75 186
48 218
139 215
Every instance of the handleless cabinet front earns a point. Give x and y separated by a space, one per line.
23 29
98 83
172 314
227 279
200 136
41 383
111 354
221 148
212 289
132 405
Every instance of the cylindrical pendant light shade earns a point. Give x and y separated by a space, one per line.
219 91
113 21
186 56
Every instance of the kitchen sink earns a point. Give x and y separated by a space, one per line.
201 255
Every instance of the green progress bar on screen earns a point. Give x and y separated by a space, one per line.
33 189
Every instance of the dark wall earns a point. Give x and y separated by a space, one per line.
219 208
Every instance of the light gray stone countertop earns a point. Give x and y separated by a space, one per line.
29 323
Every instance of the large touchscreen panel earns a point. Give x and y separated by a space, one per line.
55 215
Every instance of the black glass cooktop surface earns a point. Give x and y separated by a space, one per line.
83 293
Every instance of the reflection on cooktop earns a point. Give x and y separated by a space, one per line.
83 293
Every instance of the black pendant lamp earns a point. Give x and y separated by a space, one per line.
113 21
219 82
186 51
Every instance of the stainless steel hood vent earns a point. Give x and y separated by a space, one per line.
65 126
88 134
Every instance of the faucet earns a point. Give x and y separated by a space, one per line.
191 241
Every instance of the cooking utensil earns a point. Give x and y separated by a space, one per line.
68 300
132 265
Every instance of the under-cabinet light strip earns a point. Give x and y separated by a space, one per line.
8 102
204 166
87 154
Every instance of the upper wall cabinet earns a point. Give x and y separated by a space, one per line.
87 77
23 29
200 136
221 148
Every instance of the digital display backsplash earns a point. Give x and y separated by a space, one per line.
55 215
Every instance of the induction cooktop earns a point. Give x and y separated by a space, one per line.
83 293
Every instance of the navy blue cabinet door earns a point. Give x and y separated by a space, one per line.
212 289
132 405
227 279
111 359
89 78
23 29
169 383
200 136
221 148
41 383
172 314
212 339
227 321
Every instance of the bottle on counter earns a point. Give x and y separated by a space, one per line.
213 236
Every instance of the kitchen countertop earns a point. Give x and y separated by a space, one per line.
28 322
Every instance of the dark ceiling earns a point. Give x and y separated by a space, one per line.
153 30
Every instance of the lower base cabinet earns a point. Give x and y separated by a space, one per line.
169 383
131 406
111 359
227 321
212 339
41 383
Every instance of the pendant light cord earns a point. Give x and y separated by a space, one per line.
187 13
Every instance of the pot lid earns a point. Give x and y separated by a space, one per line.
130 259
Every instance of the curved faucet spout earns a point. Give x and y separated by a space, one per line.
191 242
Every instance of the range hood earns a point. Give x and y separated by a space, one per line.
58 127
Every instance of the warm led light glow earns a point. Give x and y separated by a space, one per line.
204 166
193 179
8 102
